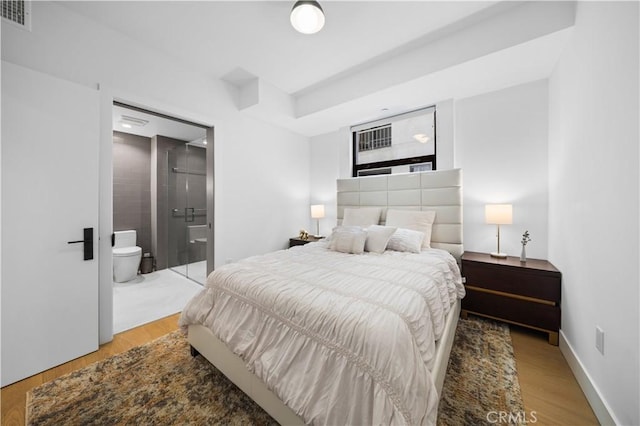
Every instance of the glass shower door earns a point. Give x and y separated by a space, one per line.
187 232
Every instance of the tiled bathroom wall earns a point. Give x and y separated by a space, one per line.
132 186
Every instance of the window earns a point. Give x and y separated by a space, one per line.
375 138
399 144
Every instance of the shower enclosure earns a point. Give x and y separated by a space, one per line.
187 232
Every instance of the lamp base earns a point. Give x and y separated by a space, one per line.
499 255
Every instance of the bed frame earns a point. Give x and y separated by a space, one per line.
440 191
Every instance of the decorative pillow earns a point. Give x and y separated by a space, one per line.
365 216
406 240
348 239
341 228
378 237
421 221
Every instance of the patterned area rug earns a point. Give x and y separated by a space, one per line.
481 385
161 384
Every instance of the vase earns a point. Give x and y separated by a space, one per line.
523 254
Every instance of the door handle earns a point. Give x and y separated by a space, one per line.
88 243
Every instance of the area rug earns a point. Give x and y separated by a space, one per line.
481 385
161 384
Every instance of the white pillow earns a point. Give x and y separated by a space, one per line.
406 240
365 216
421 221
350 239
378 237
341 228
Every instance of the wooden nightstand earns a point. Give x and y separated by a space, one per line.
300 242
522 293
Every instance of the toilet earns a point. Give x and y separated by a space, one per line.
126 256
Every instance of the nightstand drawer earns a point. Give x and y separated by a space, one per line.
537 315
534 284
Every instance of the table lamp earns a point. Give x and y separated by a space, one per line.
498 214
317 212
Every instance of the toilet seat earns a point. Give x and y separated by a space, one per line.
127 251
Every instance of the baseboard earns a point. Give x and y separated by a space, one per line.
594 397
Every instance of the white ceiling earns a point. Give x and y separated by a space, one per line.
360 48
219 36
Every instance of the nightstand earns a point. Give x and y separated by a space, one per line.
300 242
522 293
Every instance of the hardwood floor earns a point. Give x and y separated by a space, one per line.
14 396
548 386
549 390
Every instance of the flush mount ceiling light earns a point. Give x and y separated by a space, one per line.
307 17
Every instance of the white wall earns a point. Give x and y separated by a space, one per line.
262 171
0 230
330 160
593 198
262 188
325 165
501 145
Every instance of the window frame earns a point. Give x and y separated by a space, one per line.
355 168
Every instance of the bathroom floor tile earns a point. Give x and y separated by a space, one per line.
150 297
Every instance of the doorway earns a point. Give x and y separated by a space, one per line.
160 191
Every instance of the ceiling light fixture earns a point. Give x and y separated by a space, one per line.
307 17
132 121
421 137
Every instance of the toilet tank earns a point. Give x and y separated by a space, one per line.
125 239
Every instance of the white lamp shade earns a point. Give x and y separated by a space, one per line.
307 17
498 214
317 211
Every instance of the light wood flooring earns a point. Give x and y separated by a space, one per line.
547 383
549 390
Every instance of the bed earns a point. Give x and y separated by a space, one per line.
315 335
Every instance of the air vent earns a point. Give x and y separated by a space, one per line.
18 12
133 121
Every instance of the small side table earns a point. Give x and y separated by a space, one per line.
297 241
522 293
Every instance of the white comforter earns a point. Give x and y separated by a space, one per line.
340 338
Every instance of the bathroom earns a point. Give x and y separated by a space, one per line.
159 214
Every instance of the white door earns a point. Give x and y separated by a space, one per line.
50 137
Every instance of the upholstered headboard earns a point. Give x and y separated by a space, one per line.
440 191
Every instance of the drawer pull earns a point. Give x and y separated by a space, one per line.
511 295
